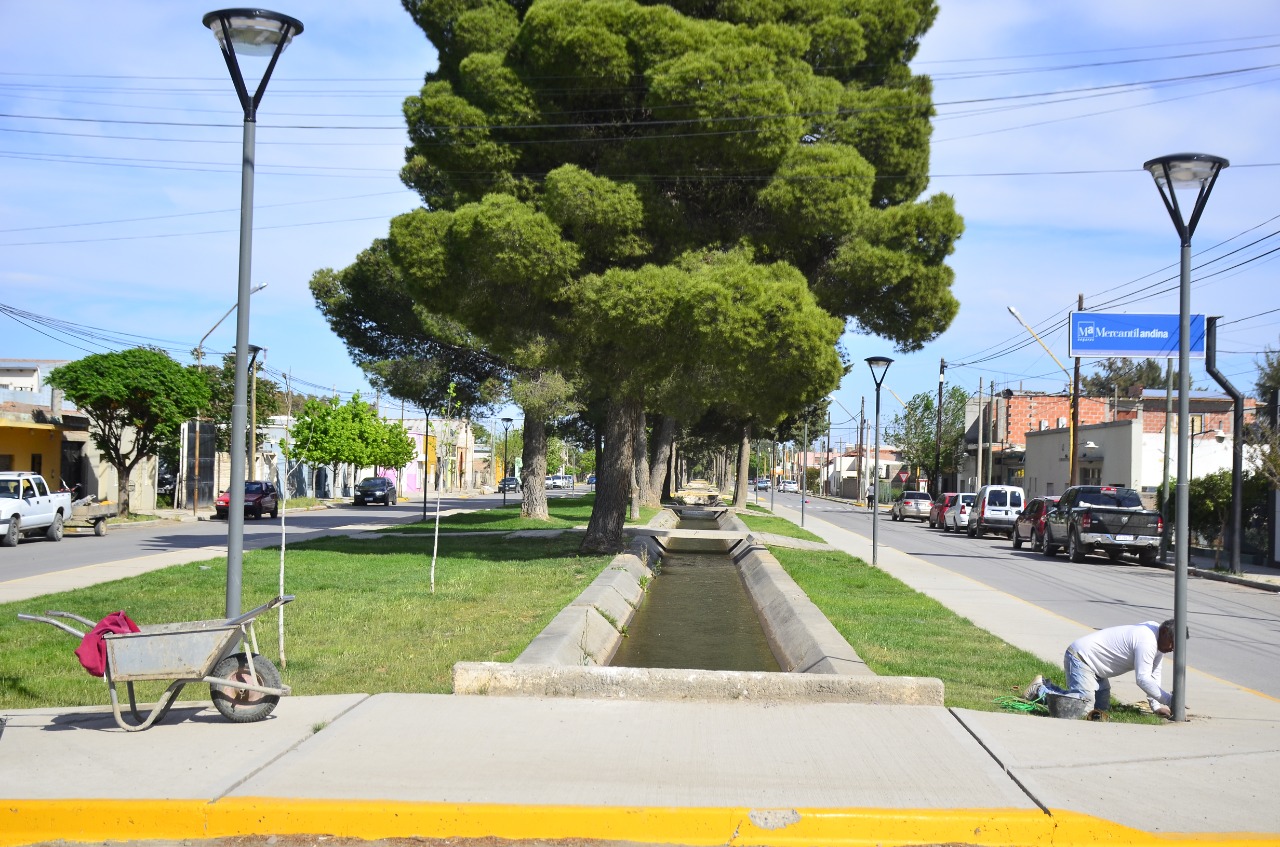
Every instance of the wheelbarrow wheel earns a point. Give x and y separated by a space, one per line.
236 704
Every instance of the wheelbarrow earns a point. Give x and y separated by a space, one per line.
244 686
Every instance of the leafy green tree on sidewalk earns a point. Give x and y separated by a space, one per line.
136 401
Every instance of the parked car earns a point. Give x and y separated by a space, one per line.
591 480
956 517
1103 518
27 507
259 497
910 504
1029 525
558 481
375 489
762 484
788 486
938 507
995 507
508 483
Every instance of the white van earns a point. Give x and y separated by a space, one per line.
995 508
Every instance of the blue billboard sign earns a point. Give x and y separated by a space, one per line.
1133 336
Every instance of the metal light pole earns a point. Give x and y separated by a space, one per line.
249 32
879 367
506 427
254 350
1181 171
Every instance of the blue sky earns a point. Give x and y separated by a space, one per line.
120 144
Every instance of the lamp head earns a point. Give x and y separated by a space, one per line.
252 32
879 366
1219 436
507 421
1185 171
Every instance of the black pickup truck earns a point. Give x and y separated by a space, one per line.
1100 518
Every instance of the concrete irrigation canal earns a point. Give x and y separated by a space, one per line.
697 609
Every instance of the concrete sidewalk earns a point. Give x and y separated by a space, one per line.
744 772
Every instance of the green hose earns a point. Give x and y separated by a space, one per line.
1017 704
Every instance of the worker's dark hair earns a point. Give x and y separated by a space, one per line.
1167 628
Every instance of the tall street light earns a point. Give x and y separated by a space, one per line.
249 32
1073 447
506 427
1182 172
879 367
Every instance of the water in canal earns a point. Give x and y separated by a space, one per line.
696 614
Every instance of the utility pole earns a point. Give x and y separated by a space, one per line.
862 450
937 455
978 465
1072 465
826 459
804 470
1168 438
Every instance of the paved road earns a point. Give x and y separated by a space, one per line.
1235 630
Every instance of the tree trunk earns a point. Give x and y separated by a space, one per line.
663 439
533 503
640 457
122 490
608 515
744 468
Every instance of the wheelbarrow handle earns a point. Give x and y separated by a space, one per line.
51 622
279 600
84 621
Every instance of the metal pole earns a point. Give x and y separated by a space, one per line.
804 471
1182 516
937 455
1164 479
235 504
875 481
978 468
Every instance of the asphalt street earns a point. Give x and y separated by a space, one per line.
1235 630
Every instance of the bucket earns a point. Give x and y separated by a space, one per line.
1066 706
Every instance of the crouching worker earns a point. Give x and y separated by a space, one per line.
1092 660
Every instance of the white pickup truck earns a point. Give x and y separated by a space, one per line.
27 506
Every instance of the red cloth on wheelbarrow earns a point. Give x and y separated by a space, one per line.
92 651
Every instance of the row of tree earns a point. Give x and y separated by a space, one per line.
137 401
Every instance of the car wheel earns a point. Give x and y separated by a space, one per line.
54 532
946 527
1047 547
257 512
1148 556
971 530
1037 541
275 511
11 537
1074 551
932 523
1017 541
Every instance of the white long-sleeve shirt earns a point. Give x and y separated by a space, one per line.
1119 649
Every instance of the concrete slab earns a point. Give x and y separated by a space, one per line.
535 751
194 753
1206 775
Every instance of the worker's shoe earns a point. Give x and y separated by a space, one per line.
1035 690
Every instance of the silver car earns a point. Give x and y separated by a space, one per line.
911 504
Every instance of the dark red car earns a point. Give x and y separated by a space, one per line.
939 508
259 497
1029 525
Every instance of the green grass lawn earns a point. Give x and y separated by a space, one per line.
364 620
777 526
564 512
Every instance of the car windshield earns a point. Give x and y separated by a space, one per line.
917 495
998 497
1124 498
375 482
966 499
9 488
253 488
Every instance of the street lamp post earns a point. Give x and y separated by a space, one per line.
506 427
249 32
879 367
1199 172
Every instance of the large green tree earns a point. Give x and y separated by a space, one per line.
1119 375
565 144
136 400
915 430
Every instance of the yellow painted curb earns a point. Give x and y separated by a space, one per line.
30 821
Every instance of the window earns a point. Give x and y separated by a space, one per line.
1015 499
998 497
42 490
6 462
37 463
